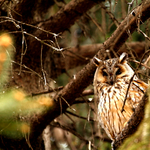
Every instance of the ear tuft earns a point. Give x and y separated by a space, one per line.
96 61
123 57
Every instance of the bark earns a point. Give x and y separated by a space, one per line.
31 11
77 56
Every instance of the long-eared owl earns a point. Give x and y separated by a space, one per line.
111 81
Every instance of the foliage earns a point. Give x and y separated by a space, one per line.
15 107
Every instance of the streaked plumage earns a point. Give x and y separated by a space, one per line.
111 81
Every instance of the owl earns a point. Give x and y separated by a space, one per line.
111 81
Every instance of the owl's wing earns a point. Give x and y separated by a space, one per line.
136 92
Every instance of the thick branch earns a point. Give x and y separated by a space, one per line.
80 55
69 93
58 23
32 54
128 26
31 11
85 76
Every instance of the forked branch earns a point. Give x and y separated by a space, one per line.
84 77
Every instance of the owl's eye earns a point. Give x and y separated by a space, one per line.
104 73
118 72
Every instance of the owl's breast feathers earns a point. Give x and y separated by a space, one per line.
110 102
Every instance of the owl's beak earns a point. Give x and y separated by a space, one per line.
111 80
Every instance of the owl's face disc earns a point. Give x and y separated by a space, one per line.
111 70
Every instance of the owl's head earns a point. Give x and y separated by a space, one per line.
109 71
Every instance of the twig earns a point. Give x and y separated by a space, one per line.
116 22
23 51
74 133
132 79
90 119
47 92
28 69
142 64
79 101
27 24
144 34
84 93
132 125
77 55
2 2
38 39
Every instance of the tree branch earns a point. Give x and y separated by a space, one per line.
27 11
133 124
88 51
58 125
58 23
85 76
